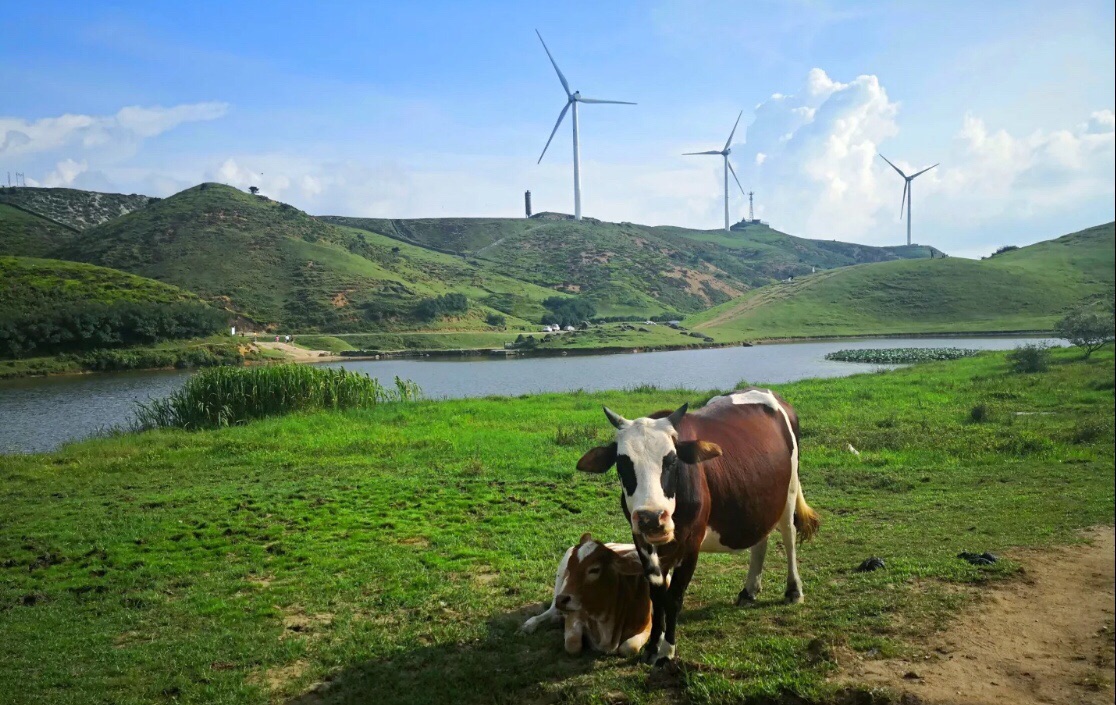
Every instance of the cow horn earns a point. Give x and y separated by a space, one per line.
676 415
614 418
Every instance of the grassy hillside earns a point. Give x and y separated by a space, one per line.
388 554
277 265
29 235
29 283
629 269
1024 289
73 208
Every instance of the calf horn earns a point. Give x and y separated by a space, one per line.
615 419
676 416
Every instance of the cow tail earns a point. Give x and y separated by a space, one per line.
806 520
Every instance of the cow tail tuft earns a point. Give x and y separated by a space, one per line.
806 520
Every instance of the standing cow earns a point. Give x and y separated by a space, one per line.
718 479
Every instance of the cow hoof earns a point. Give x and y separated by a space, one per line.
657 655
745 598
793 596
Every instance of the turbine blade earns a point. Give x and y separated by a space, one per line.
687 154
729 140
595 100
893 166
924 170
734 176
561 115
903 200
565 83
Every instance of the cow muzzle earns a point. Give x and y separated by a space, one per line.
656 527
567 603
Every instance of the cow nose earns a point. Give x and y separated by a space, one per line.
650 521
562 601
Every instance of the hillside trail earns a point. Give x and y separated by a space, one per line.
297 354
1044 638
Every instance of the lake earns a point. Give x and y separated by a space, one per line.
39 414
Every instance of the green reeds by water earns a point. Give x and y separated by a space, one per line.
227 396
899 356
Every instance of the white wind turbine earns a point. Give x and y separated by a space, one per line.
725 152
571 99
906 199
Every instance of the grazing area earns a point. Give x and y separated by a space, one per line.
899 356
389 553
1025 289
74 208
28 235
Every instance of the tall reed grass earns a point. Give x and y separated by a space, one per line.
227 396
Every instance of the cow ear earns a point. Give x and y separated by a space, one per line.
585 538
599 459
694 452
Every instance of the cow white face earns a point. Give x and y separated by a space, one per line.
649 459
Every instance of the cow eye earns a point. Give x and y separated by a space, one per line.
594 572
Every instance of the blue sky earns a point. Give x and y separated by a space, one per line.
441 108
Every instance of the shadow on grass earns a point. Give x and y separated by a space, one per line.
502 667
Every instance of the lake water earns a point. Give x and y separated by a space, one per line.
39 414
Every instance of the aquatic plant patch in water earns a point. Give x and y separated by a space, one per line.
228 396
899 356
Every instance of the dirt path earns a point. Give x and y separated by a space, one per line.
296 353
1045 638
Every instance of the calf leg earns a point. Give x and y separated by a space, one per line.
551 617
793 595
575 634
755 572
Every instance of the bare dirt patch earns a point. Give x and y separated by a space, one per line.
1044 638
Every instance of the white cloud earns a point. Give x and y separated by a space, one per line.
127 127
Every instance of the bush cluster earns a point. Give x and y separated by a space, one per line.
227 396
568 312
1029 358
444 305
84 327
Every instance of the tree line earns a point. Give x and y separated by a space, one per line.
92 326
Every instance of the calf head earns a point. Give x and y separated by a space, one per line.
648 457
593 575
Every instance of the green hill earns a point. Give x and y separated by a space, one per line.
1024 289
629 269
28 283
73 208
276 265
29 235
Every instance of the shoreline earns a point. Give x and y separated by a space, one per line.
316 357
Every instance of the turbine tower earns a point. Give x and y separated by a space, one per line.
725 152
906 199
572 99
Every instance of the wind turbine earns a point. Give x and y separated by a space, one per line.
571 99
906 199
725 152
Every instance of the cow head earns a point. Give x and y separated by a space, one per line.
648 458
592 575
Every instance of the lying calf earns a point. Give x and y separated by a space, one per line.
602 596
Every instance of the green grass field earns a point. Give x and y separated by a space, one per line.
28 235
1022 290
389 554
28 282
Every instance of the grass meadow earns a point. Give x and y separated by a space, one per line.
388 554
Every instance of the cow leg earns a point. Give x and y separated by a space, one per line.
575 634
660 648
793 595
755 573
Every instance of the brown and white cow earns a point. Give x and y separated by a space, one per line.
601 596
718 479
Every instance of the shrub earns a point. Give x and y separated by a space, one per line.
899 356
1087 329
226 396
1029 358
495 319
444 305
980 413
568 311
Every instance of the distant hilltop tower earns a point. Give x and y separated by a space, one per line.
527 202
751 208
